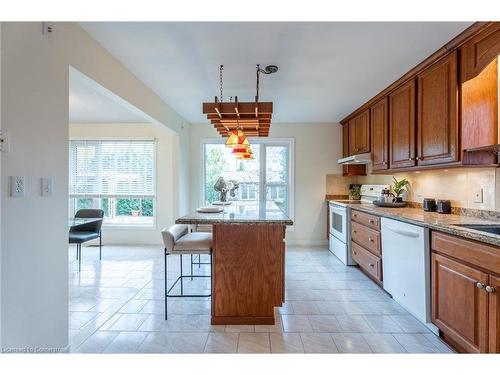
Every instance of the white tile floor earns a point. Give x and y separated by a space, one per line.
117 306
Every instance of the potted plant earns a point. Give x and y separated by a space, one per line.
399 188
355 192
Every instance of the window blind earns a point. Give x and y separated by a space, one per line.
112 168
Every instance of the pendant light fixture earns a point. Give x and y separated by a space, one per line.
236 120
243 153
237 139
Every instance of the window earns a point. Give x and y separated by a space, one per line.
267 177
117 176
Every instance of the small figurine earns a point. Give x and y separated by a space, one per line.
223 187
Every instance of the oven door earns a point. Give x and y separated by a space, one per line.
338 222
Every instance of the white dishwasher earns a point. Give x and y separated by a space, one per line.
406 266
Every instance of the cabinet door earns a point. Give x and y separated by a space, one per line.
437 106
459 307
380 135
402 126
345 140
359 134
494 315
480 51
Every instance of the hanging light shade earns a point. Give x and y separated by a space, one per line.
246 156
237 139
243 153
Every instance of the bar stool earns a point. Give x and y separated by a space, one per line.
179 241
196 259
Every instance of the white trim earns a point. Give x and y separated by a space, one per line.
289 142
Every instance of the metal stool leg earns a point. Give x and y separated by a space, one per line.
191 267
79 257
100 246
166 290
76 251
182 286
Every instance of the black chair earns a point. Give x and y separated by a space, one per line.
86 232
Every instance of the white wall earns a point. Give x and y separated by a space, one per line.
317 148
166 203
34 305
1 188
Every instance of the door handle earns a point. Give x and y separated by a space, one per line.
490 289
480 285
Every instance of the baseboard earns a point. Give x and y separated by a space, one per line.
306 242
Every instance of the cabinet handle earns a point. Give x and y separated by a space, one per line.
372 265
355 253
490 289
411 159
371 221
480 285
370 239
354 232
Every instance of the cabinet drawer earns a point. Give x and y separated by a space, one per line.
371 263
476 253
366 237
370 221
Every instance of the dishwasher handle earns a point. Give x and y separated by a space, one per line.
406 233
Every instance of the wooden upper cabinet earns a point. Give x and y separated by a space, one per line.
359 133
351 169
402 126
478 52
459 307
345 141
494 315
379 120
437 106
480 109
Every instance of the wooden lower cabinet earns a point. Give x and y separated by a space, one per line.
494 328
459 307
366 247
465 285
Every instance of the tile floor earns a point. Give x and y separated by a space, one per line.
116 306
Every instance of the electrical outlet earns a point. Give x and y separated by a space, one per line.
17 186
478 195
46 186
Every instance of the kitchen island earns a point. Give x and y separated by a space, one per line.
248 261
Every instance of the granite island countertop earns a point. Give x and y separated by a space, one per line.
240 212
440 222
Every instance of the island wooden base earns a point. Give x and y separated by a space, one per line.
248 272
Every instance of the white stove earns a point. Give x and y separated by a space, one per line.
340 222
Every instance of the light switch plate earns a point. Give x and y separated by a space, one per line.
17 186
478 195
46 186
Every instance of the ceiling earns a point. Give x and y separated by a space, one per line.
90 103
326 70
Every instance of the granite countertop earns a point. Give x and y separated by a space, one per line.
440 222
240 212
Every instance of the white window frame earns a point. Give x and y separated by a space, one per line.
131 226
287 142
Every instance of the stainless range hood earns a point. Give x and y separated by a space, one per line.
356 159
